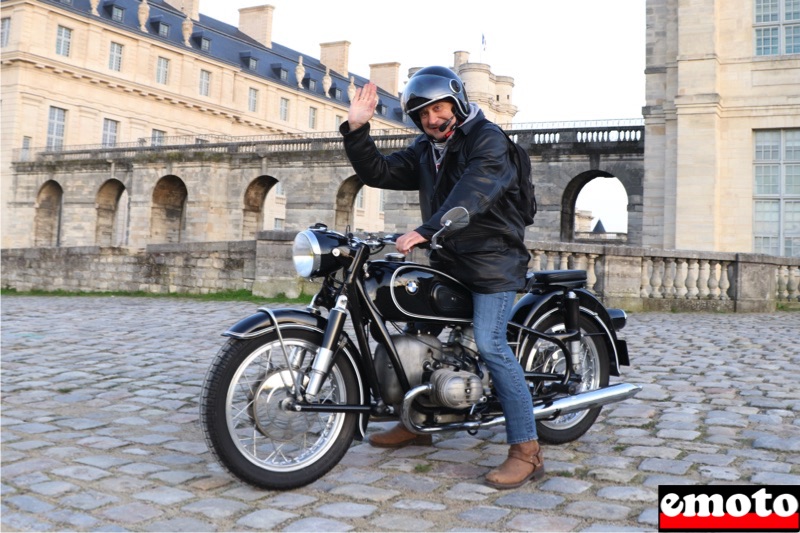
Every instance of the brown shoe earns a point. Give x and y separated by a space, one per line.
397 437
524 462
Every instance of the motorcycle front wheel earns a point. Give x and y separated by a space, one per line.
247 426
540 355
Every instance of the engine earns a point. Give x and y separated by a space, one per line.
458 378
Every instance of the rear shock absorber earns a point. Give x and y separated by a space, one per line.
571 314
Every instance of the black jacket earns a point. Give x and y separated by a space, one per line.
478 173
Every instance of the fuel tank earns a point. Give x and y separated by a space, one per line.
409 292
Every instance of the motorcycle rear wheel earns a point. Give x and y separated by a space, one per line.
543 356
249 431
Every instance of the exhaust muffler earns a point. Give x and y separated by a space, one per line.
562 406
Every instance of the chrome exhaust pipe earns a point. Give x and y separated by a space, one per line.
562 406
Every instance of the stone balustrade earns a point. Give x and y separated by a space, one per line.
651 279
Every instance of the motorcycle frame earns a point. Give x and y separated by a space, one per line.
350 300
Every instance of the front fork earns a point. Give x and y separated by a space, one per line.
323 360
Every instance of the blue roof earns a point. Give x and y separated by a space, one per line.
229 45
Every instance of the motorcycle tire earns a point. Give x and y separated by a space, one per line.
248 430
542 356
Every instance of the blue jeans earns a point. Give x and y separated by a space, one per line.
491 314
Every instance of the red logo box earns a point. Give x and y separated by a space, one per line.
728 508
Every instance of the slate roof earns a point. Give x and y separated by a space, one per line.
229 45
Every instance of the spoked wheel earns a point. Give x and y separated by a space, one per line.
543 356
246 421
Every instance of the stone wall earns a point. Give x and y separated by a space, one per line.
635 279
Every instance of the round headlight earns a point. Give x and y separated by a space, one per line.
312 252
306 253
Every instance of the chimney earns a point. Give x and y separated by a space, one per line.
191 8
335 56
386 76
256 22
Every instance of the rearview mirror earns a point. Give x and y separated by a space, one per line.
455 219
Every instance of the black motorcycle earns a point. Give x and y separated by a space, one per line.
290 390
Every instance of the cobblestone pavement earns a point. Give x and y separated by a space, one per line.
100 431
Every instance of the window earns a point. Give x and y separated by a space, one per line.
337 94
777 27
252 100
115 57
56 126
157 137
117 13
63 41
312 85
284 109
110 129
381 200
279 189
163 29
283 74
278 224
360 199
252 63
776 209
205 82
4 29
205 44
26 148
162 71
312 118
338 121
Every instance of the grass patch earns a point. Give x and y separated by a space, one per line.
422 468
242 295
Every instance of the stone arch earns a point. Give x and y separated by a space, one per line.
255 206
168 211
569 199
345 201
47 221
112 214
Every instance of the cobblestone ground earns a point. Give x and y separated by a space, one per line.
100 431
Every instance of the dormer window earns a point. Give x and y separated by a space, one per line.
248 61
337 93
117 13
280 72
203 40
312 85
160 27
382 109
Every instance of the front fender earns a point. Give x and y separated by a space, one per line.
261 323
531 306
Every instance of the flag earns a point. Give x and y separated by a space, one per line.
483 41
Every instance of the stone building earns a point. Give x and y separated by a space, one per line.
722 123
150 73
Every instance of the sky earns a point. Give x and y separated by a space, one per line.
571 60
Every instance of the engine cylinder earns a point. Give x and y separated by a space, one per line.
457 390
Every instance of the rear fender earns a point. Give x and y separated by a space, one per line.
262 322
532 307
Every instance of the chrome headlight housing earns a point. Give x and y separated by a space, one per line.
311 252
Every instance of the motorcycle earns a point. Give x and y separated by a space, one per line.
290 390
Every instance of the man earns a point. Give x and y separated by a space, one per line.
461 159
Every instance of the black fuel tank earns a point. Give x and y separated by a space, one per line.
410 292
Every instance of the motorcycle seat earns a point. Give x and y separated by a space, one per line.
565 278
